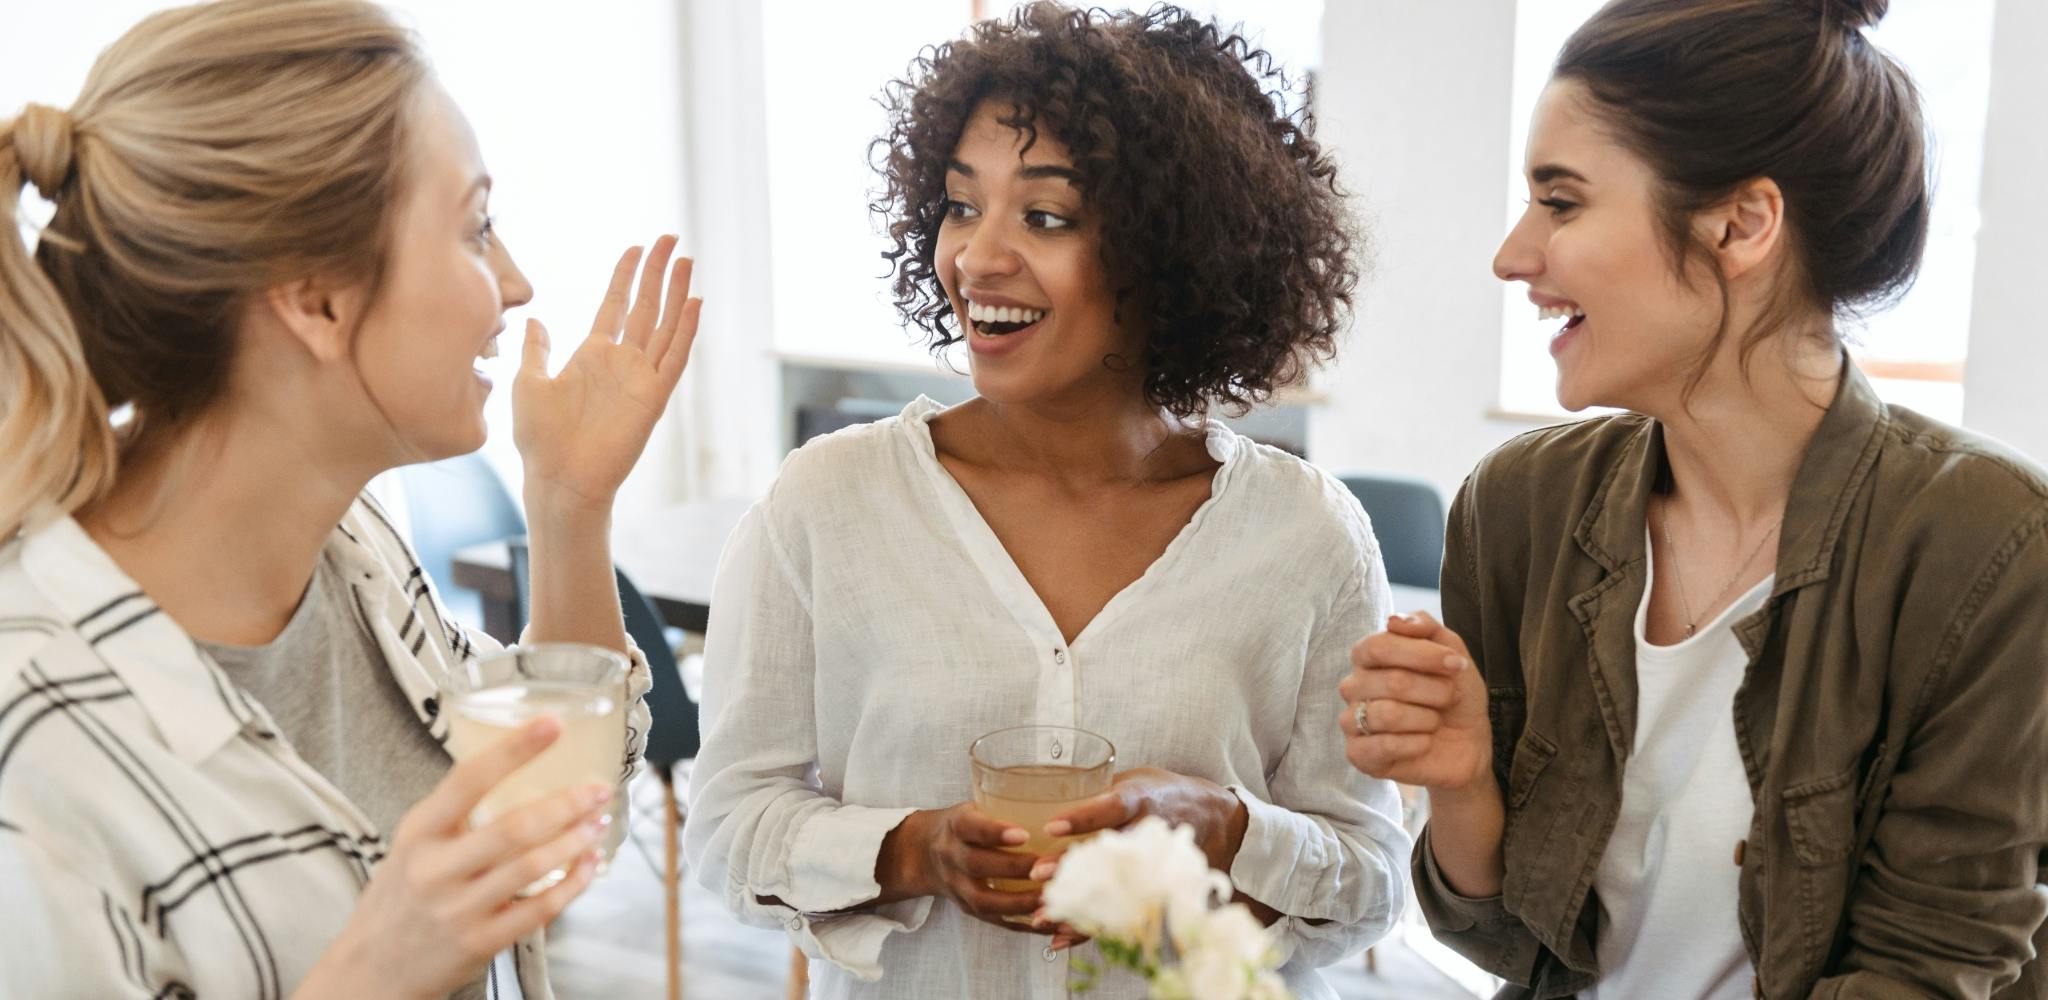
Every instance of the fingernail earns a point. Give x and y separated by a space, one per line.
543 730
1058 828
1014 835
1042 871
1456 662
594 828
597 794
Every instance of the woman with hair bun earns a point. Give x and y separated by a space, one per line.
268 277
1742 691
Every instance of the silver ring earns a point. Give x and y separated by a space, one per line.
1358 719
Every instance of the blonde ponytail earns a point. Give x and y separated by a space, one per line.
56 446
216 150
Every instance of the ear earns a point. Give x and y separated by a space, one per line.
320 317
1747 229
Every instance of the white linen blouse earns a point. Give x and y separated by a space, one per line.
868 625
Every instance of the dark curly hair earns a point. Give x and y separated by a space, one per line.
1222 223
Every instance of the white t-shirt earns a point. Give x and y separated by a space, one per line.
1668 881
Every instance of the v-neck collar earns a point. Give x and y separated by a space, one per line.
1001 571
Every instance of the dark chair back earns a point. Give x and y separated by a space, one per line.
1408 518
453 504
673 736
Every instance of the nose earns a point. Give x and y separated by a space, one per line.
1520 257
987 254
513 288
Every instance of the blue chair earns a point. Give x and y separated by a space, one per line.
453 504
1408 517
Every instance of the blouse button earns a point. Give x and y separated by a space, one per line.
1059 656
1049 955
796 923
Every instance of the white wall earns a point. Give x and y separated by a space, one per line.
2005 383
1414 97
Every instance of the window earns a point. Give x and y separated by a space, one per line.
1914 353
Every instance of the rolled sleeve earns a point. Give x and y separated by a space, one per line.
1326 847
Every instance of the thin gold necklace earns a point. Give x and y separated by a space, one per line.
1691 623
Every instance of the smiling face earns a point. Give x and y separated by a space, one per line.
444 293
1591 249
1019 258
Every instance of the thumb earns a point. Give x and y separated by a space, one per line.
533 358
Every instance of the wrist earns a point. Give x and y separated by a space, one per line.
899 865
548 503
1232 819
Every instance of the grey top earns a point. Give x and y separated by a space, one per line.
327 686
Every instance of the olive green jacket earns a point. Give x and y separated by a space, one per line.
1893 718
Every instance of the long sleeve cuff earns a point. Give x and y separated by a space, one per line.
831 871
1278 843
1445 908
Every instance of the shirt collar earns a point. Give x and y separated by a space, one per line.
194 708
1838 459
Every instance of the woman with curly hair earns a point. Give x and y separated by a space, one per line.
1127 232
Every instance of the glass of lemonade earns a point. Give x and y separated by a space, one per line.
1028 775
496 695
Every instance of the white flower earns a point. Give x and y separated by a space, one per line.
1123 883
1225 954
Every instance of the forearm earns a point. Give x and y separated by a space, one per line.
575 596
1465 833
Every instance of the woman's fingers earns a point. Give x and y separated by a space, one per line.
1380 754
612 311
677 354
1384 716
560 853
448 806
527 827
676 298
1108 811
1395 684
976 828
1421 625
523 916
986 863
994 904
1387 649
645 314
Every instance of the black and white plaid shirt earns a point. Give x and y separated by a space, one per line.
157 838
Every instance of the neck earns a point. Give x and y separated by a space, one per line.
1735 446
223 525
1104 437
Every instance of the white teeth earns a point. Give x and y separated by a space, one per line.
1559 312
978 313
490 349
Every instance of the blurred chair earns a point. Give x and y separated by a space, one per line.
453 504
1408 518
672 735
814 421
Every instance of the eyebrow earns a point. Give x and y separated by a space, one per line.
1029 173
1550 171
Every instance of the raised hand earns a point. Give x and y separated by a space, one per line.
580 432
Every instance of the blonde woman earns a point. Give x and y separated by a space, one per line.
270 269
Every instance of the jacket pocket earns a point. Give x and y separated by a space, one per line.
1822 817
1532 755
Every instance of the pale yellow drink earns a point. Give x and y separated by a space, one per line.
589 750
1030 796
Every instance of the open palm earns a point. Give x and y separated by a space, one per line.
581 431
